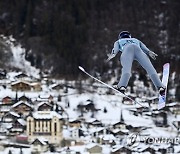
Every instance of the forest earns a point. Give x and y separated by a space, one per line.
61 35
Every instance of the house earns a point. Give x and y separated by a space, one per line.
96 132
7 100
24 98
47 124
76 133
39 145
160 118
120 150
174 108
18 126
36 86
93 123
107 139
94 148
44 106
21 76
75 123
22 108
119 125
120 132
148 149
5 108
46 98
58 87
21 86
10 117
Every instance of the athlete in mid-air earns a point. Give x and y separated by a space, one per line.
133 49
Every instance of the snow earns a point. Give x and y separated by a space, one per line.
113 104
46 115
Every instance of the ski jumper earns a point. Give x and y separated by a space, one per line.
133 49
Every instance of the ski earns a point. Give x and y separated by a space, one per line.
162 98
109 86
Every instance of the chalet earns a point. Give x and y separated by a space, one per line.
87 106
76 133
160 118
119 125
22 108
21 76
120 150
36 86
107 139
119 132
57 87
46 98
39 145
24 98
7 100
47 124
148 149
44 106
174 108
4 108
94 148
18 126
93 123
21 86
95 132
75 123
10 117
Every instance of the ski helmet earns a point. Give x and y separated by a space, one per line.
124 34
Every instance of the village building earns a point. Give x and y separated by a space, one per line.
21 86
21 76
18 126
10 117
119 125
47 124
7 100
5 108
39 145
120 150
24 98
94 148
75 123
44 106
22 108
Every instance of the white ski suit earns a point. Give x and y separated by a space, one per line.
134 49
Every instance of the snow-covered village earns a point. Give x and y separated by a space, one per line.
89 77
40 114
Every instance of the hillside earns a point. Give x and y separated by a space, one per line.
61 35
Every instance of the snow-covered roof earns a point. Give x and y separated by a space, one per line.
91 145
46 115
22 121
22 102
42 140
14 114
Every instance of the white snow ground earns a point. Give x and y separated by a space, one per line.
113 104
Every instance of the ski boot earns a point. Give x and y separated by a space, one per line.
162 91
121 89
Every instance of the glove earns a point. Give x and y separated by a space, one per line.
110 56
152 55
